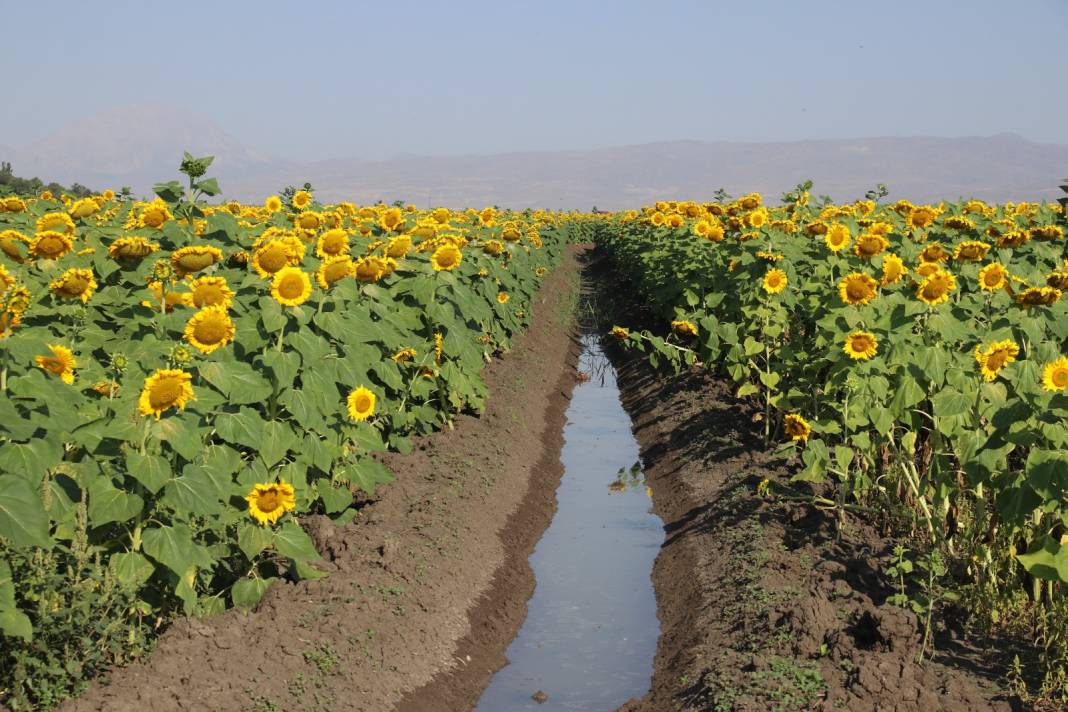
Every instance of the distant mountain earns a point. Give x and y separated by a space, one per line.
1002 167
140 145
135 145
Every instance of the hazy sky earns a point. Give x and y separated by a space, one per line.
312 80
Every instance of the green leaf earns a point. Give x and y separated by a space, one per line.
247 592
193 493
131 568
253 538
949 402
242 428
1046 560
152 471
278 439
107 503
366 473
13 622
30 460
173 546
292 541
23 519
238 381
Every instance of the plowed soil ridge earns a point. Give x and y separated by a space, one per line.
426 587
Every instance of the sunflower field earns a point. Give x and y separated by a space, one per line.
179 380
912 356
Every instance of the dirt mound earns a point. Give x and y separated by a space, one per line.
428 583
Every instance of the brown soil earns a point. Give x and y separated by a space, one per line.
763 605
427 586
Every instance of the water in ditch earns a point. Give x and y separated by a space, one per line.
591 628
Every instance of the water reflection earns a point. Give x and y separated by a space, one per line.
590 634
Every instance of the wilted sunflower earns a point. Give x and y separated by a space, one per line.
861 345
936 288
60 363
209 329
371 268
620 333
131 248
857 288
51 245
361 404
894 270
334 269
210 291
194 258
268 502
291 286
74 284
165 389
684 327
995 357
837 237
1039 296
398 246
1055 374
404 355
447 257
796 427
971 251
493 247
775 281
993 276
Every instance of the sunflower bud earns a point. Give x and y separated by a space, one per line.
181 355
162 270
119 362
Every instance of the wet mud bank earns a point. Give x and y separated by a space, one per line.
426 588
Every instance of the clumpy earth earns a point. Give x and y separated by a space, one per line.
426 587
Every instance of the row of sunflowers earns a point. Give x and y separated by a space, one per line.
179 380
911 355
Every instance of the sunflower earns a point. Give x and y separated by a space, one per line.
308 220
273 256
51 245
837 237
993 276
861 345
797 427
710 230
934 252
301 199
268 502
684 327
334 269
393 220
210 329
971 251
620 333
857 288
165 389
922 216
332 243
1058 279
59 222
502 297
83 208
893 270
493 247
74 284
869 245
936 288
194 258
154 215
273 204
60 363
291 286
404 355
14 244
447 257
398 246
775 281
210 291
361 404
131 248
441 215
757 218
371 268
1055 374
995 357
1039 296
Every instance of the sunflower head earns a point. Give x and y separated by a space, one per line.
211 291
361 404
334 269
837 237
869 245
74 284
447 258
1055 375
936 287
209 329
995 357
268 502
291 286
332 242
51 245
861 345
59 363
796 427
165 389
620 333
1039 296
774 281
194 258
857 288
404 355
893 270
993 276
684 327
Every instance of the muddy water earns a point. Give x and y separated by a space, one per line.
591 629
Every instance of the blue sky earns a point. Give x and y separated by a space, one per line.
312 80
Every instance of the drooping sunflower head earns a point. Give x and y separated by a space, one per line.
796 427
334 269
993 276
361 404
291 286
1039 296
857 288
165 389
194 258
1055 375
209 329
404 355
131 248
210 291
14 244
995 357
936 287
51 245
59 363
59 222
398 246
775 281
268 502
74 284
620 333
332 243
861 345
1058 279
83 208
493 247
447 257
684 327
971 251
